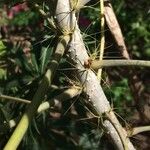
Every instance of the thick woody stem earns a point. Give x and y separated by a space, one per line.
78 55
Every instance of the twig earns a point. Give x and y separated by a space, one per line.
96 64
114 27
138 130
102 39
67 94
15 99
21 100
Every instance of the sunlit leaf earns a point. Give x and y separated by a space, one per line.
45 58
2 48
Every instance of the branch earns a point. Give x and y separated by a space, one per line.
114 27
54 102
102 40
22 127
15 99
138 130
21 100
96 64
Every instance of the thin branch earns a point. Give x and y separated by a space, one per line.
138 130
21 100
54 102
15 99
102 39
114 27
96 64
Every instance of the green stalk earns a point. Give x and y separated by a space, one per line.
22 127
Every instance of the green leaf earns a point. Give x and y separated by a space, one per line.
45 57
22 18
34 63
27 79
31 64
3 74
2 48
12 86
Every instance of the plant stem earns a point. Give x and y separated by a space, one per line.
15 99
138 130
96 64
102 40
113 25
